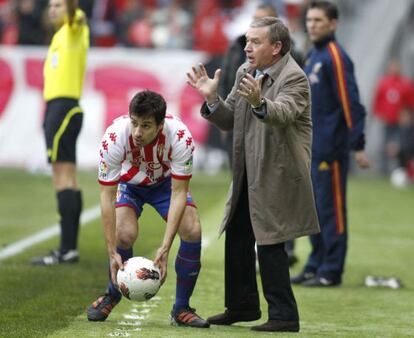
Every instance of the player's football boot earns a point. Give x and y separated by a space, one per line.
100 309
188 317
302 277
56 257
321 282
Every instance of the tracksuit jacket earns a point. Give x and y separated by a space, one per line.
337 114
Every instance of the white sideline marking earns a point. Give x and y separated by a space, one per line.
53 230
134 325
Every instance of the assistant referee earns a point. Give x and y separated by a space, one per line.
63 73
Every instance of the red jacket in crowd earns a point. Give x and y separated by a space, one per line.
393 93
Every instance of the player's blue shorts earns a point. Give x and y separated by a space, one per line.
157 195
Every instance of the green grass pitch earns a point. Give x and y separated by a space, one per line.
51 302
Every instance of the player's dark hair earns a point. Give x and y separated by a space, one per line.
148 103
330 9
277 31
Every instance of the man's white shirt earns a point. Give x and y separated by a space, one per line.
170 154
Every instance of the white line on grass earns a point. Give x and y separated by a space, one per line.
53 230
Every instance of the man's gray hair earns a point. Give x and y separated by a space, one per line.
277 31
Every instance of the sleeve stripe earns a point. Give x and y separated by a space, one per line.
181 177
108 183
341 82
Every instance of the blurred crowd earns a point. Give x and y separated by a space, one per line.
393 106
187 24
211 26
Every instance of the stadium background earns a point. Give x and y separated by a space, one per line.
151 44
52 302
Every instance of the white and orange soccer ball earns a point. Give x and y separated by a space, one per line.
140 279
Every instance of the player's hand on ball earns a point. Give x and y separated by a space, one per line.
115 264
161 260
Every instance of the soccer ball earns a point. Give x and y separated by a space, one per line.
140 279
399 178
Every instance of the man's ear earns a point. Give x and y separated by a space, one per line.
333 24
277 48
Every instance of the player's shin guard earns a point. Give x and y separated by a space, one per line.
69 204
125 255
187 267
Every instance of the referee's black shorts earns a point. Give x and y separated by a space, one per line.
62 124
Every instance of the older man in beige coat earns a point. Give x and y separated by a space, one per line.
271 199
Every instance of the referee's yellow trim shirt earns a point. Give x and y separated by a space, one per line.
65 63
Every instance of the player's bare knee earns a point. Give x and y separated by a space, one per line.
190 228
125 239
191 232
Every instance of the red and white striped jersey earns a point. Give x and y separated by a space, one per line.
170 154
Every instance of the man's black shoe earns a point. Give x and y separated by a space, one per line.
230 316
302 277
292 259
277 326
320 282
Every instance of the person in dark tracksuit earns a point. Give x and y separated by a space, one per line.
338 128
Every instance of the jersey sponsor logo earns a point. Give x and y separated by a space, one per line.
154 165
188 165
313 76
54 60
103 170
317 67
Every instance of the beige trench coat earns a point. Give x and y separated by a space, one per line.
274 153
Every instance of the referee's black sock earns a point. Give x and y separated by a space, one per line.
69 206
79 207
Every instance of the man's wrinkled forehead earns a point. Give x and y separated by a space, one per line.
256 33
